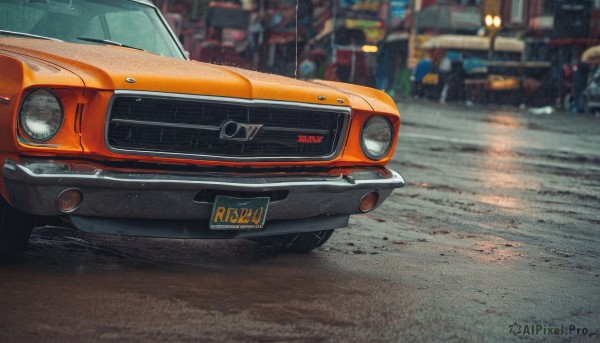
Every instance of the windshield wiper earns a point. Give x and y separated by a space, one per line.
28 35
109 42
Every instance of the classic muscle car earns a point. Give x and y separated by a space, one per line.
106 123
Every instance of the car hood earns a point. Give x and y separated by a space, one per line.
110 68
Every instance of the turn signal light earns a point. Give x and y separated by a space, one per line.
69 200
368 201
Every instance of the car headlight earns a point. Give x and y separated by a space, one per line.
41 115
376 137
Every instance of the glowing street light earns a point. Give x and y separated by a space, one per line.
489 20
497 21
493 22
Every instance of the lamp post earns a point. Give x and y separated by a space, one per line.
493 24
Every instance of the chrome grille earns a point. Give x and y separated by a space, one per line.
193 127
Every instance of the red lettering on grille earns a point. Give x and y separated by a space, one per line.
309 139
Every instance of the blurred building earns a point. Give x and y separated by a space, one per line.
353 40
271 36
448 17
546 25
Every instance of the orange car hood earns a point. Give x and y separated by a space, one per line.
108 67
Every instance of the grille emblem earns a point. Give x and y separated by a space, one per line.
232 131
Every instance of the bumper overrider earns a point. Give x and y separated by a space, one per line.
179 204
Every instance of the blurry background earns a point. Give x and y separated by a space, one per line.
515 51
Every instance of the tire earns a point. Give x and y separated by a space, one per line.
585 105
15 229
296 243
588 109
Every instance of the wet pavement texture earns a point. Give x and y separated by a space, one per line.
498 225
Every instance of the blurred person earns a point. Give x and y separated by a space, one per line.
424 67
444 68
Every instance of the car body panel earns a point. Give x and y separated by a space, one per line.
92 73
108 67
592 91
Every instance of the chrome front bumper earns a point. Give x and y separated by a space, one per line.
34 185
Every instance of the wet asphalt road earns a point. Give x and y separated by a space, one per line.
498 226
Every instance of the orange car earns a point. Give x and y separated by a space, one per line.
106 123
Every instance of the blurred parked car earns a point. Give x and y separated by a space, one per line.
591 95
590 101
462 69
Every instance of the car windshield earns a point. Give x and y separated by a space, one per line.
114 22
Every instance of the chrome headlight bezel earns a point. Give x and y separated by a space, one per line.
27 131
369 154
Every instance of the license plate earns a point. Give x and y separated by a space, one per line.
238 214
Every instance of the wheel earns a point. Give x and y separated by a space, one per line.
15 229
296 242
585 106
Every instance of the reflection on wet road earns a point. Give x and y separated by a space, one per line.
497 225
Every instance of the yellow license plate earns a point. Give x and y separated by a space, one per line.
238 214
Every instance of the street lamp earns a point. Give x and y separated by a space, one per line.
489 21
493 24
497 22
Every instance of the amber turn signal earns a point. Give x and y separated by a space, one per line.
368 201
69 200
